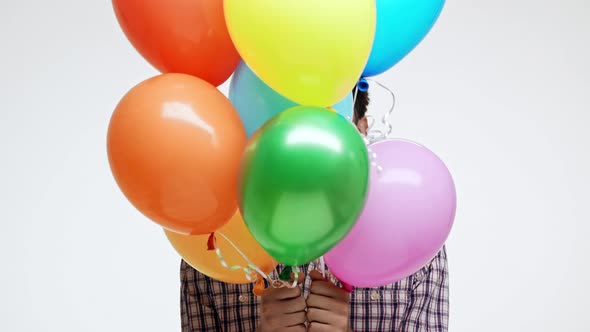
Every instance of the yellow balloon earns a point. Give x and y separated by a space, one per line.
193 249
311 51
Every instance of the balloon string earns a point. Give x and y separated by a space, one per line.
377 134
322 265
251 266
372 133
247 270
354 94
295 277
372 158
370 126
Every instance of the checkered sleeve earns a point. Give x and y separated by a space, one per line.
418 303
428 309
196 309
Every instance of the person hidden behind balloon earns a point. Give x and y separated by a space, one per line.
416 303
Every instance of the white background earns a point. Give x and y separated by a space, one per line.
498 90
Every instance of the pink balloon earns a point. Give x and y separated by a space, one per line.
406 220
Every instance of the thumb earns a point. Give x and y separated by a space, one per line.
316 275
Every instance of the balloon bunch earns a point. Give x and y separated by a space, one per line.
277 172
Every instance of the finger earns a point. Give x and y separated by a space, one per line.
273 294
321 316
326 320
326 288
294 319
326 303
316 275
320 327
298 328
289 306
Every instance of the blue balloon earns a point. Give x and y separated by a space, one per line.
257 103
401 25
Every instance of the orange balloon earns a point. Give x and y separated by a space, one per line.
180 36
193 249
174 145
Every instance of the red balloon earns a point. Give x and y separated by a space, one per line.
180 36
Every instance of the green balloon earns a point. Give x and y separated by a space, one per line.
303 183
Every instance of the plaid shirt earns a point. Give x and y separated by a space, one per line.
419 303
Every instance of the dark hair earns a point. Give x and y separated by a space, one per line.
361 103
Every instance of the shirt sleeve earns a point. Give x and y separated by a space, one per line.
429 300
196 306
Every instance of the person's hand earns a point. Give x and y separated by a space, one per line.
282 309
327 306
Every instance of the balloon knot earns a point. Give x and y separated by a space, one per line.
259 287
285 275
363 85
212 242
346 287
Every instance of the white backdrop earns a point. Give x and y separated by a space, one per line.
497 90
